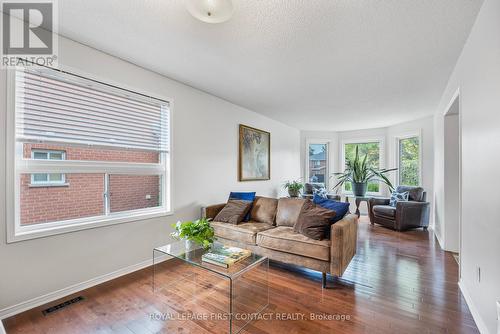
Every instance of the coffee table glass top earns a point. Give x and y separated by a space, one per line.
180 251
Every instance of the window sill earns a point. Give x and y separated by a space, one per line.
49 229
48 185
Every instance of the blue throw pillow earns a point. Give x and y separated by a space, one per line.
340 208
398 197
245 196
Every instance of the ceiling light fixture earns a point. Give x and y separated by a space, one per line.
210 11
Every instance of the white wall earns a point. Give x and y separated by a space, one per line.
205 151
477 75
389 135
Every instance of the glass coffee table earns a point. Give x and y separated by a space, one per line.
245 286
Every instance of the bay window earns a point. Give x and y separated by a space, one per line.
370 148
108 146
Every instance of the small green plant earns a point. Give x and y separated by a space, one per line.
200 231
293 187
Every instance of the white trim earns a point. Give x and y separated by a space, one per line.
362 140
21 233
49 297
327 157
2 330
481 325
26 166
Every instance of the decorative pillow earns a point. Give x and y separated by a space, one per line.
245 196
321 192
398 197
314 221
264 210
341 208
234 211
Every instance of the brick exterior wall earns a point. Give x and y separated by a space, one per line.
83 194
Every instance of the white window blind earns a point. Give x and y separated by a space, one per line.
55 107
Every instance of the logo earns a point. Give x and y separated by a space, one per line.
29 33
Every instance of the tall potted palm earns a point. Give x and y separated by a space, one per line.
359 173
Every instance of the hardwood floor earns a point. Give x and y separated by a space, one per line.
397 283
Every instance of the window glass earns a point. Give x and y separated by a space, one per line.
133 192
318 167
372 149
409 161
82 198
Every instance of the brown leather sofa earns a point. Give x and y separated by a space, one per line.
406 215
270 233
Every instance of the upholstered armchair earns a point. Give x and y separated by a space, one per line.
309 189
406 215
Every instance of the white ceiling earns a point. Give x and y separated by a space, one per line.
312 64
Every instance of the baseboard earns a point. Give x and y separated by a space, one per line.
49 297
440 241
481 325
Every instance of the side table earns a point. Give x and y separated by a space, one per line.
358 200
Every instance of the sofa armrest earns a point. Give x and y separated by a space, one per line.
211 211
344 237
412 214
376 201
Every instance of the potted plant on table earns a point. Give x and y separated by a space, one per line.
294 187
359 173
198 232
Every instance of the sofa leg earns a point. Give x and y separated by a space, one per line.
323 281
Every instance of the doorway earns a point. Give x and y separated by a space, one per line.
452 177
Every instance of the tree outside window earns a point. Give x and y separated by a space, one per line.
409 161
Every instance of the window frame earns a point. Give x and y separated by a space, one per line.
16 165
397 154
381 160
48 183
327 171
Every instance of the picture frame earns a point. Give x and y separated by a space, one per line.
254 158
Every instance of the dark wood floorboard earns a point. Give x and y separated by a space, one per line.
397 283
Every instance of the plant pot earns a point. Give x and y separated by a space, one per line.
359 188
190 245
293 193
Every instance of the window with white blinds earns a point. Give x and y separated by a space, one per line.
116 148
55 107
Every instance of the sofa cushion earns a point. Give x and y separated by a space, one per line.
314 221
264 210
341 208
285 239
288 211
384 211
398 197
234 211
245 196
245 233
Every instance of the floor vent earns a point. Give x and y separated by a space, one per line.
62 305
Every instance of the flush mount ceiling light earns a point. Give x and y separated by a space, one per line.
210 11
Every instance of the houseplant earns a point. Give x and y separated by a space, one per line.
293 188
194 232
358 173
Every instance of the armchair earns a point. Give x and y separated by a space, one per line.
309 189
406 215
